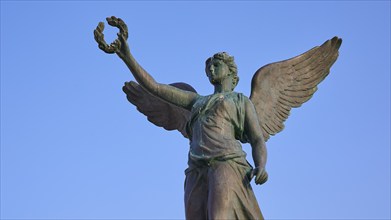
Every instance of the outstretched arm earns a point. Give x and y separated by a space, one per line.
255 137
120 46
168 93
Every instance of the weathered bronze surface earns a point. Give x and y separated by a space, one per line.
217 184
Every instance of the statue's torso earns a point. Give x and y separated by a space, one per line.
216 125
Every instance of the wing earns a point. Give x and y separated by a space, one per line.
280 86
158 111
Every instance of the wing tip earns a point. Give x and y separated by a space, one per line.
337 41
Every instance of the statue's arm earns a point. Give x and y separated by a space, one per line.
256 140
168 93
181 98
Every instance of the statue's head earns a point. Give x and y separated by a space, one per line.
225 64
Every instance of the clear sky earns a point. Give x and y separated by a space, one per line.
72 147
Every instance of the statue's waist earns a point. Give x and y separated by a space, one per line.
207 154
196 162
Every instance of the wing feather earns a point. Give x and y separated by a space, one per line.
278 87
158 111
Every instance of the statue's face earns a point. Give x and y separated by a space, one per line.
217 71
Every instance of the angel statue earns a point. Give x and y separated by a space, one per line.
217 184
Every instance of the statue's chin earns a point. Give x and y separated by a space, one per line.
215 82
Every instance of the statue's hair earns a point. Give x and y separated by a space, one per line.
229 61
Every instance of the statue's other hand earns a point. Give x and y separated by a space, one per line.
260 174
120 45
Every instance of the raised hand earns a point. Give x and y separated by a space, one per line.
120 45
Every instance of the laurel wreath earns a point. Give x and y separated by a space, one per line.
116 44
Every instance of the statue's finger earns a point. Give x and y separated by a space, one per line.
116 45
121 37
258 179
262 178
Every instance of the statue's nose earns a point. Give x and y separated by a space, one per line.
211 69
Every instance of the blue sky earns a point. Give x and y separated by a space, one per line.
72 147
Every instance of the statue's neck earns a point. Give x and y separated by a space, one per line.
225 86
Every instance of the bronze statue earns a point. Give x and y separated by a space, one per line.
217 184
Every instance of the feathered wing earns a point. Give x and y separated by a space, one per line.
280 86
158 111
